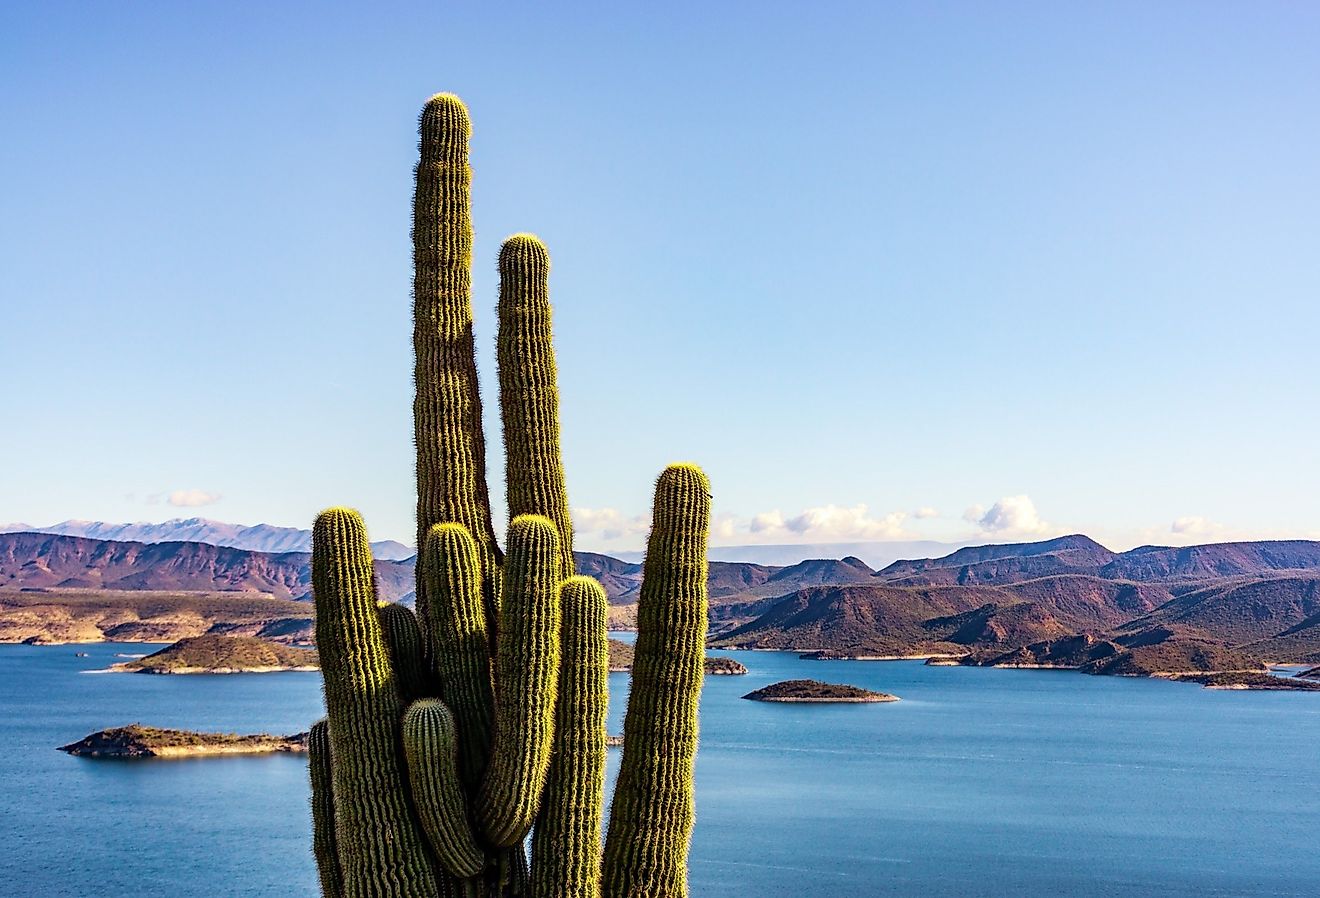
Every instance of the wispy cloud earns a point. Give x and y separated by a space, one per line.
192 498
925 513
608 523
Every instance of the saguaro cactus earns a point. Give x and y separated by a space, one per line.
452 733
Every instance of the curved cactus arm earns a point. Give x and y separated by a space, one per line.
323 811
527 672
529 390
430 743
566 839
451 445
381 851
403 638
458 642
652 812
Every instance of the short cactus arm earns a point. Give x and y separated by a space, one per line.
403 638
652 812
323 811
459 645
529 390
566 840
451 446
430 744
527 674
381 851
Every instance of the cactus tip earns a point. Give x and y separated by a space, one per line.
524 250
445 114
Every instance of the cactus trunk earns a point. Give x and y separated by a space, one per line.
566 841
653 809
451 446
380 848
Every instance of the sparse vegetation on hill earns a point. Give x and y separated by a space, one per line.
137 741
816 691
621 659
52 616
222 654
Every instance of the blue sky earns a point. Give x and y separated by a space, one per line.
899 270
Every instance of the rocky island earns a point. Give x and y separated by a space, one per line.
222 654
816 691
137 741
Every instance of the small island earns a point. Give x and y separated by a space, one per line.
222 655
816 691
137 741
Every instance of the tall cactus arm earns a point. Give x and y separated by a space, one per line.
652 812
529 389
381 852
566 840
403 638
323 811
430 744
527 672
451 446
459 644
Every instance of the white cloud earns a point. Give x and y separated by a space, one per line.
192 498
925 512
609 523
1010 516
829 523
1195 525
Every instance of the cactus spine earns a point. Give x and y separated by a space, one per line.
503 670
566 841
380 849
652 813
451 447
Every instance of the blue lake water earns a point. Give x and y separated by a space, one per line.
980 782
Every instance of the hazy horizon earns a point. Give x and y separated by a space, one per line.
969 273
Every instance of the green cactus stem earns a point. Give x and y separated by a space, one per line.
459 643
430 743
529 390
527 671
451 446
381 851
403 638
566 839
652 812
323 811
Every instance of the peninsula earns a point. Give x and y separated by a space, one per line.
222 655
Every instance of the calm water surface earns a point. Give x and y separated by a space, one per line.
980 782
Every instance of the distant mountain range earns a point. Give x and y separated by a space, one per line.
1242 603
257 537
1027 604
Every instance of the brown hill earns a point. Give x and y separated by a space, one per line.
897 620
222 654
1276 617
997 564
55 616
29 560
